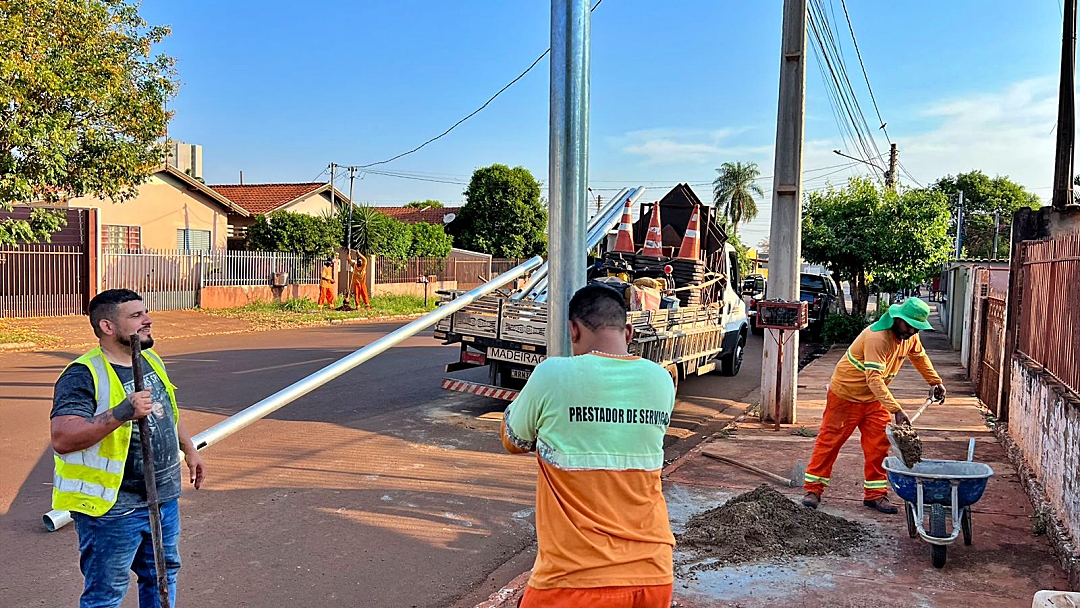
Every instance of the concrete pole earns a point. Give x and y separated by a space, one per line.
892 180
1066 121
568 165
959 226
997 226
785 235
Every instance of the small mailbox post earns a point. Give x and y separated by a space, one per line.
781 316
426 282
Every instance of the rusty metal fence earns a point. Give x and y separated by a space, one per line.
991 352
1049 327
468 273
43 280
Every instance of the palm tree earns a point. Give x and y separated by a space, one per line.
733 192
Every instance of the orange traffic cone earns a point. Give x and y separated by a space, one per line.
624 243
654 238
691 242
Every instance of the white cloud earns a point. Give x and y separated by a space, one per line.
677 146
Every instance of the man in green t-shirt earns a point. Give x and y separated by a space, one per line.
597 422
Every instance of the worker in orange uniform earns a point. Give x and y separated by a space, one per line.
326 285
859 397
359 289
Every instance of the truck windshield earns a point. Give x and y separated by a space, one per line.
812 282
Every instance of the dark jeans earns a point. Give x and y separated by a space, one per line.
111 545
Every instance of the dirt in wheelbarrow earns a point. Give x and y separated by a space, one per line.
764 524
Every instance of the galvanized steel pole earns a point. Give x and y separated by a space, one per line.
55 520
568 165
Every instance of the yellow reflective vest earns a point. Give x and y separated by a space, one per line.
87 481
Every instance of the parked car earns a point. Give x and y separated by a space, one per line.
819 292
753 290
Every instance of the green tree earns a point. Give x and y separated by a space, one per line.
427 204
306 235
859 231
983 196
733 192
503 215
430 241
389 238
82 105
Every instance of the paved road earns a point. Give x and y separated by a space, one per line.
379 489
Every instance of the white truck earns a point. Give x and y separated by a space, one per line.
701 328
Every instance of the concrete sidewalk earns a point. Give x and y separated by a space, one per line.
1005 566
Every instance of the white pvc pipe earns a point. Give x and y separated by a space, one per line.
54 520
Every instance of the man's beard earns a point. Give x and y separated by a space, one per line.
144 342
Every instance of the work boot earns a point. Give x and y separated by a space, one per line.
811 500
881 504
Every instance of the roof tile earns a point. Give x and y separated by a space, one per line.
416 216
264 198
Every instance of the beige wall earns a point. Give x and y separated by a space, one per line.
230 297
315 204
163 205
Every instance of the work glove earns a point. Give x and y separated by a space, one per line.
939 392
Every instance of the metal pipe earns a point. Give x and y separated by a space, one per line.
613 203
568 164
536 288
54 520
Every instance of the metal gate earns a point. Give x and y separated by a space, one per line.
43 280
167 280
993 352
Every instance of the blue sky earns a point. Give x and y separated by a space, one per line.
279 89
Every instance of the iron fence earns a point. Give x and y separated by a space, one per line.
409 271
1049 329
221 268
171 280
43 280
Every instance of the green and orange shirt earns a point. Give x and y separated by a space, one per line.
871 363
597 424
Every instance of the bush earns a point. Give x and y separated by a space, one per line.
842 329
430 241
389 238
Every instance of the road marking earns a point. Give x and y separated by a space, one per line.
283 366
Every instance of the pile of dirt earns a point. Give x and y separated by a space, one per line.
907 440
764 523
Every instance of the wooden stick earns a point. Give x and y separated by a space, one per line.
150 477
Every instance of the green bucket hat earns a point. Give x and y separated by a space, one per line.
913 310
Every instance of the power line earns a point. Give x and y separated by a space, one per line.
851 29
474 112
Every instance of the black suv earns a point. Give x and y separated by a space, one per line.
819 293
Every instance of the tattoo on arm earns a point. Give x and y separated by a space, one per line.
123 412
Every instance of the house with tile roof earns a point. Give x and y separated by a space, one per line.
309 198
171 210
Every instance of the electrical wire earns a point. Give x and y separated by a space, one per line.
851 29
471 114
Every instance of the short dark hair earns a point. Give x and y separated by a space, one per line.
103 306
598 306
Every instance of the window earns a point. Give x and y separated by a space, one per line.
813 282
192 240
733 267
120 239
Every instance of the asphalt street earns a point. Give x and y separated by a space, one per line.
378 489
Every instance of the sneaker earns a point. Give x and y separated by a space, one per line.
811 500
881 504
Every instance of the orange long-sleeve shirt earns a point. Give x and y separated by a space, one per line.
872 362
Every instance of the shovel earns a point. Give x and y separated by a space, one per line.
149 475
894 442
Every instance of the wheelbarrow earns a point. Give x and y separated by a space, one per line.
939 490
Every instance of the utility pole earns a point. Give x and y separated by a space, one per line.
568 165
1066 122
785 235
997 228
892 176
352 176
959 226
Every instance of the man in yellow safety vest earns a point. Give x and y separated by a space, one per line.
98 470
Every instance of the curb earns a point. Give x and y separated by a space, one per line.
509 595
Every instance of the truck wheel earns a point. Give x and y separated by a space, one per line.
732 362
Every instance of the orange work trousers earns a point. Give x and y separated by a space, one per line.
650 596
326 296
841 419
360 293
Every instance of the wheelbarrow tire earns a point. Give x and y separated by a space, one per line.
938 553
909 513
965 524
